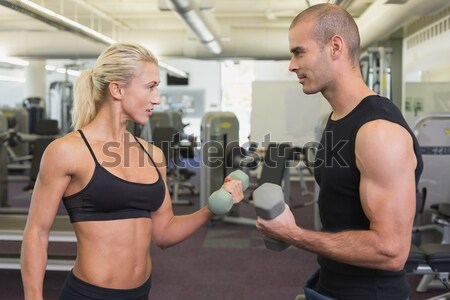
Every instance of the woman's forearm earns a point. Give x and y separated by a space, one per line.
33 260
180 228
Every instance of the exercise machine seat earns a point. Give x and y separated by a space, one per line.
443 209
415 258
438 256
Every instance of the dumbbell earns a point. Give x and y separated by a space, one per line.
269 204
220 202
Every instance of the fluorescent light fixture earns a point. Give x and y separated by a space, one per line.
12 79
50 17
67 24
14 61
184 4
193 18
50 68
314 2
71 72
74 73
214 47
61 70
173 70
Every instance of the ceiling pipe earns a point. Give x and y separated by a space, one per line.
193 17
51 18
393 16
101 14
344 3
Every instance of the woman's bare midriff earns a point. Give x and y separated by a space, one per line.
114 254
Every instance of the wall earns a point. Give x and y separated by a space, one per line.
36 84
273 70
12 93
204 78
426 66
280 108
441 74
283 113
426 97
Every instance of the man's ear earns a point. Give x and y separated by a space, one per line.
337 46
115 90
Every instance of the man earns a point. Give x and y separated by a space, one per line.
367 166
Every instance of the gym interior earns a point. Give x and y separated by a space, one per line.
227 100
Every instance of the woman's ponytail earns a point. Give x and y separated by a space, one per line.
84 109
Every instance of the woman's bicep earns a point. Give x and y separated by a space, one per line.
51 183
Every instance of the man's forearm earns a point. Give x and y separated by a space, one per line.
362 248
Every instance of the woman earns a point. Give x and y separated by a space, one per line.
113 187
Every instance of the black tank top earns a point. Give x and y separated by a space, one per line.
108 197
340 206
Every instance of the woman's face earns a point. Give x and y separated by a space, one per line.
141 94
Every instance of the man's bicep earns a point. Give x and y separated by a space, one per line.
385 157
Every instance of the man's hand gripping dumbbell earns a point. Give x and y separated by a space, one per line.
269 204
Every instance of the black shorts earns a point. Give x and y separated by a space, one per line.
77 289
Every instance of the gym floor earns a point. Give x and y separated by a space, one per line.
221 261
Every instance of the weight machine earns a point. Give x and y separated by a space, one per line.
432 223
60 104
221 154
375 66
219 135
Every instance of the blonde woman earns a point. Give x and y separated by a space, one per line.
112 184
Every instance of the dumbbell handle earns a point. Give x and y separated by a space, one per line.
275 245
269 204
220 202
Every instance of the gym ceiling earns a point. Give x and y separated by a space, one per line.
255 29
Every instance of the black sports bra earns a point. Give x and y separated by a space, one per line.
108 197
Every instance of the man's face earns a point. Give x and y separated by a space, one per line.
308 58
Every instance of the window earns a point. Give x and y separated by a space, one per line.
237 78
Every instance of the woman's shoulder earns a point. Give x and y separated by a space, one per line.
65 147
62 156
155 152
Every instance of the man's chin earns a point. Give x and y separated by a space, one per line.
309 91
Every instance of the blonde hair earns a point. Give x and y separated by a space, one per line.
119 62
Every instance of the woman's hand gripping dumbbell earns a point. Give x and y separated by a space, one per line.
221 201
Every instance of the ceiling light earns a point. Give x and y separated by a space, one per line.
50 68
173 70
314 2
50 17
11 79
194 19
75 73
198 26
214 47
61 70
14 61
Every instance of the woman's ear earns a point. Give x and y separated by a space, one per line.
115 90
